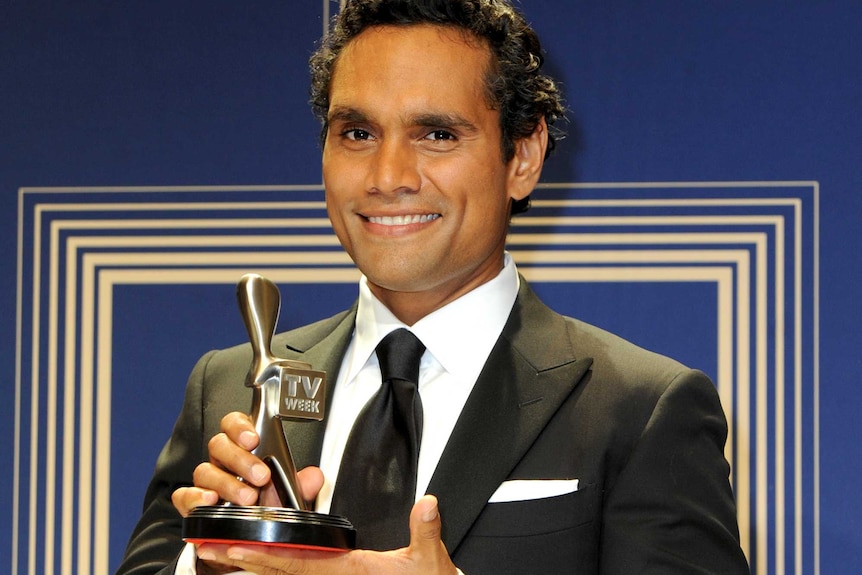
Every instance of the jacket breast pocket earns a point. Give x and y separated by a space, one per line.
547 535
537 516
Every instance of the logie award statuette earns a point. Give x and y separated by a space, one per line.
275 383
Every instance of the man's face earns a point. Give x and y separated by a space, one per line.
416 186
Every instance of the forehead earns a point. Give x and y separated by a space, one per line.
394 62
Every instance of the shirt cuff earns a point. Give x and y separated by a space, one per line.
187 563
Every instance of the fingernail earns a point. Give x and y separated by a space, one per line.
430 515
258 471
235 554
206 555
248 439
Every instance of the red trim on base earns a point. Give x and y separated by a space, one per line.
284 545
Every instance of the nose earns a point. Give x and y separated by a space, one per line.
394 168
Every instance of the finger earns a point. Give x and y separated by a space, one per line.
425 524
187 498
310 482
269 497
239 428
266 560
232 457
211 477
426 546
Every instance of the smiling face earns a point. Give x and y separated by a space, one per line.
416 186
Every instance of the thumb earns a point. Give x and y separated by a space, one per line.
310 482
425 527
426 547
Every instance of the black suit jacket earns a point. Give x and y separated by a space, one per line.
557 398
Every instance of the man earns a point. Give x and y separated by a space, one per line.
549 446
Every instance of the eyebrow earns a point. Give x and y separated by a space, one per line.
433 120
350 115
430 120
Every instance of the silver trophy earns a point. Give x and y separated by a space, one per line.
282 389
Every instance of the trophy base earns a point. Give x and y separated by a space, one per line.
268 526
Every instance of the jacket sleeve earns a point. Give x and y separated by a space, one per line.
671 509
156 542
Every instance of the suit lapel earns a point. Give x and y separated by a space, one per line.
323 347
529 373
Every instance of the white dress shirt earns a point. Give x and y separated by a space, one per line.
458 339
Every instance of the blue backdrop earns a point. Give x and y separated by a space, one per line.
704 203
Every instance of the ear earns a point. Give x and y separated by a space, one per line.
525 167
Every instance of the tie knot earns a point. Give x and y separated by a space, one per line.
399 354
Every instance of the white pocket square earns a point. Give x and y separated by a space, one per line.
526 489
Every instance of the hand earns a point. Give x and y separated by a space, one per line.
426 553
230 459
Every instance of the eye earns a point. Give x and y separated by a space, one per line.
441 136
356 134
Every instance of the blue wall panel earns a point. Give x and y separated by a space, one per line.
127 129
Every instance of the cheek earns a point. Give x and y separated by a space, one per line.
342 181
333 164
335 182
335 210
483 195
466 179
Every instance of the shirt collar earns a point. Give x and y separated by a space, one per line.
479 315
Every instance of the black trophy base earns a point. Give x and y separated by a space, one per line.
268 526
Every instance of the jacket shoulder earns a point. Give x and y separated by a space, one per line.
297 339
616 357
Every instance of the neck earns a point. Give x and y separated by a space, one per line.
411 306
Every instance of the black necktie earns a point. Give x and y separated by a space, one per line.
376 484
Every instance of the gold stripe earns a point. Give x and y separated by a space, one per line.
517 239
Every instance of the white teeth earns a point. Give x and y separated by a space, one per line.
402 220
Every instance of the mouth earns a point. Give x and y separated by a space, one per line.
402 220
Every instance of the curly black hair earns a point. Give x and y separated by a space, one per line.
515 85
